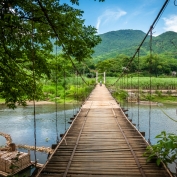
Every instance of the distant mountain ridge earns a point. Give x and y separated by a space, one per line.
127 41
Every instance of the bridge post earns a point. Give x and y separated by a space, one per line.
104 77
96 77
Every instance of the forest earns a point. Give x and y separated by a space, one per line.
45 44
27 33
158 65
127 41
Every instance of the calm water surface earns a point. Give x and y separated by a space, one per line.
152 120
19 123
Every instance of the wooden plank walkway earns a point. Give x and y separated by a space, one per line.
101 142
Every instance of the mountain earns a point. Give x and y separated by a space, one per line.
127 41
165 43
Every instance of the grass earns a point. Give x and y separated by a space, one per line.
165 99
157 83
68 90
2 100
75 89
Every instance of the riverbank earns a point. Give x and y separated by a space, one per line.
29 103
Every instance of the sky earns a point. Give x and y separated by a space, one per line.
113 15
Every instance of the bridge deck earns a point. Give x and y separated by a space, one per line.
101 143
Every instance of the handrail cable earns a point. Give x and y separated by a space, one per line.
159 105
151 27
56 34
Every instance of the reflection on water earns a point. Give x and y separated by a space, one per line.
19 123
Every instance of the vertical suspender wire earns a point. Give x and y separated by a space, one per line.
127 90
150 86
117 90
84 88
138 99
131 88
121 88
72 75
124 81
77 92
64 99
56 94
34 87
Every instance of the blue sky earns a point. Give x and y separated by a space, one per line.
113 15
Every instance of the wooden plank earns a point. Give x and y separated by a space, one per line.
101 149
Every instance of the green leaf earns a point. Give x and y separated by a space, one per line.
158 161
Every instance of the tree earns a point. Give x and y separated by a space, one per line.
26 31
153 64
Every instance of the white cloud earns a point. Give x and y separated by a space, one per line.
171 23
98 23
109 16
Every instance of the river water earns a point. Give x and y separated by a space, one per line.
19 123
153 119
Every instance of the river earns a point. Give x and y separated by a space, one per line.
19 123
154 119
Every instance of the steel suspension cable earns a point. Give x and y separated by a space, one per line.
151 27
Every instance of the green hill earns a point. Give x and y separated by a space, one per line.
127 41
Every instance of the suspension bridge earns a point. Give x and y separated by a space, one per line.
101 142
